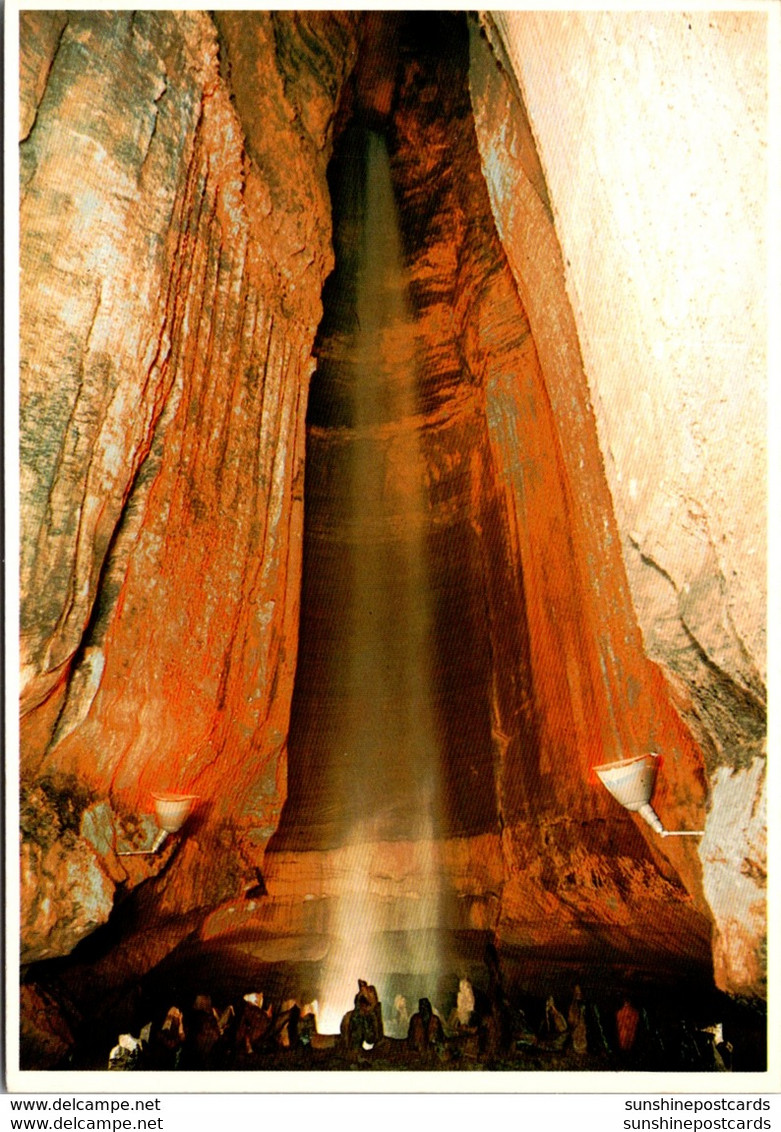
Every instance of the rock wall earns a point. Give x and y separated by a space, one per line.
172 261
657 178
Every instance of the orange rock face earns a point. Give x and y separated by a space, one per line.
171 291
704 676
468 649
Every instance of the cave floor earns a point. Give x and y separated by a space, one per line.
684 1051
674 1009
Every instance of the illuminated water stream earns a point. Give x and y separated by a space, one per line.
389 751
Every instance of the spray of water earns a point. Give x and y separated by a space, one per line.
385 917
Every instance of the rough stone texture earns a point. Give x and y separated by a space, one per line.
663 189
66 893
84 435
40 33
73 865
171 279
639 190
734 857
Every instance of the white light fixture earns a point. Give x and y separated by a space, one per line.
631 782
172 811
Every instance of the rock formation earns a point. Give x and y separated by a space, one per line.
171 283
176 248
675 343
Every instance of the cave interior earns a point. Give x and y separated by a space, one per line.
464 654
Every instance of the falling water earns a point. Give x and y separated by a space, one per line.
389 749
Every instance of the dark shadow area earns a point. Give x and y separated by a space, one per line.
677 1027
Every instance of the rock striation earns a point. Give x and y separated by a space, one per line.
664 325
170 290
